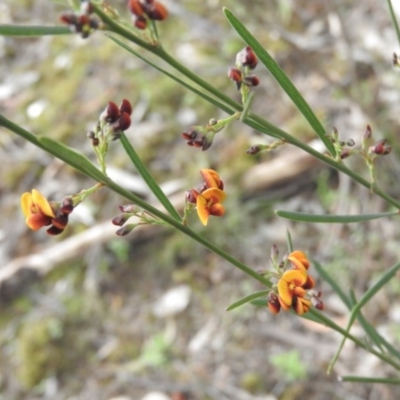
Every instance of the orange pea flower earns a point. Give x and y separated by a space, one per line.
209 203
37 210
292 291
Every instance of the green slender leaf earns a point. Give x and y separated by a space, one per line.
72 157
332 219
285 83
247 299
147 177
20 131
332 283
25 30
363 379
394 20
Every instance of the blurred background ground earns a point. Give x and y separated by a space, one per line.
90 315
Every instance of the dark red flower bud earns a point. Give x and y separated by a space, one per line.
83 19
120 219
317 303
69 18
136 8
111 112
157 12
235 75
253 150
53 231
125 106
124 122
140 23
345 153
381 148
198 142
246 58
273 303
67 205
60 221
191 196
251 80
190 133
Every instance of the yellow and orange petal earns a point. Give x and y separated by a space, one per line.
299 260
301 305
283 304
36 209
288 283
208 203
211 178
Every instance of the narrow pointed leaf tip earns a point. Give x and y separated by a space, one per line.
339 219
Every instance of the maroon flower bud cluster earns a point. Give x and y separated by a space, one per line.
246 60
196 139
59 223
145 10
118 118
82 22
127 211
380 148
200 136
